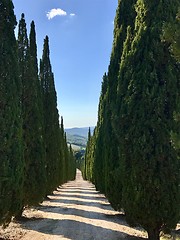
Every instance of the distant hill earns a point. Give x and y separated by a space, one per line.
83 132
78 136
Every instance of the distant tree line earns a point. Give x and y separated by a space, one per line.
79 158
34 156
133 155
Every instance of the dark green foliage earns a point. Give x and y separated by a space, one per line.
63 155
147 99
68 167
11 158
66 159
171 35
89 158
107 175
34 151
106 162
171 39
72 165
37 165
51 120
60 165
79 156
125 16
100 136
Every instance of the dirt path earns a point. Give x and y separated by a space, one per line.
76 211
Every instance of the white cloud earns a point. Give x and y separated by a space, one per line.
55 12
72 14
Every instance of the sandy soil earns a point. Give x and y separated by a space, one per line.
76 211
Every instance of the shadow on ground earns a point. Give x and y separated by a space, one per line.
115 218
76 230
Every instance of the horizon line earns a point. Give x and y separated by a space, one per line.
78 127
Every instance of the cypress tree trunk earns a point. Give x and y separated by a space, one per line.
19 213
153 234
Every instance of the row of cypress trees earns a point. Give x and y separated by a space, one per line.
34 156
133 155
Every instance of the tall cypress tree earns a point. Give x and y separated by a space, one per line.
72 164
124 18
147 97
37 167
11 159
99 135
66 157
107 166
51 119
34 152
35 190
62 167
89 158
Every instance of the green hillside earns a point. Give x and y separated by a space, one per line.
77 140
78 136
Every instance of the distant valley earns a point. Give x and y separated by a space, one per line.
78 137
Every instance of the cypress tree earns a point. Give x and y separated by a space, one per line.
107 165
66 155
67 166
37 167
11 158
34 152
99 134
124 18
51 119
86 159
22 43
147 96
72 164
62 172
37 143
89 158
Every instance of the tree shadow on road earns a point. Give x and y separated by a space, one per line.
77 192
71 187
134 238
76 230
114 218
81 202
91 196
27 219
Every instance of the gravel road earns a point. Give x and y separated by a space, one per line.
75 211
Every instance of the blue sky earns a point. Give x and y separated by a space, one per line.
81 35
